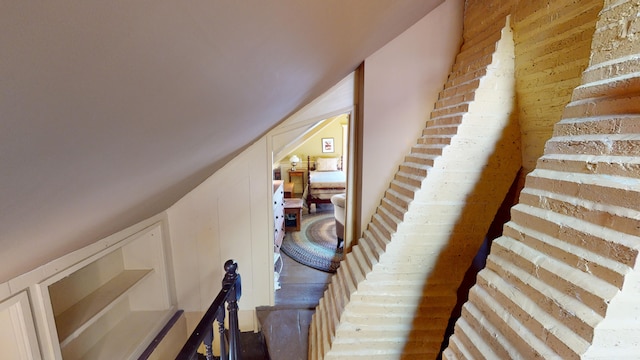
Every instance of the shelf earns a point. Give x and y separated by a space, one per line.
124 340
74 320
108 304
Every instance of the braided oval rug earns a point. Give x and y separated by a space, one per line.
315 244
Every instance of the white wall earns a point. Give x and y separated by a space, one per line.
401 84
225 217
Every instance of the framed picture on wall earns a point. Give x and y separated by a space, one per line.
327 145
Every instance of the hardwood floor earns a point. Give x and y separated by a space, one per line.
301 286
285 326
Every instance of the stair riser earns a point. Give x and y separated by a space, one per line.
569 258
455 350
450 120
621 196
403 188
595 301
461 89
454 100
473 63
414 169
617 68
435 304
468 342
423 160
455 109
353 269
602 106
533 324
363 333
493 315
613 125
394 210
371 243
615 87
567 317
465 77
498 344
410 180
379 228
479 43
624 222
361 259
601 165
348 287
435 140
605 247
440 130
595 147
388 218
375 235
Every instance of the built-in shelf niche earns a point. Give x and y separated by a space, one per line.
112 305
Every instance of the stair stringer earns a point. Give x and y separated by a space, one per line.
395 290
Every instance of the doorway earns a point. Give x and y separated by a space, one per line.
329 117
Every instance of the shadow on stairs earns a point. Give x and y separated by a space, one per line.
252 347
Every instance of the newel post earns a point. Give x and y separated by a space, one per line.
232 280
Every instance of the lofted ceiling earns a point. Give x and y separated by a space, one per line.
113 110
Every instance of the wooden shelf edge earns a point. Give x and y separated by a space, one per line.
130 337
74 320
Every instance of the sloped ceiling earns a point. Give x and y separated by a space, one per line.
110 111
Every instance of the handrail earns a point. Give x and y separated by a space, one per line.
230 293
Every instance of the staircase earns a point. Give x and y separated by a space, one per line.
393 294
564 281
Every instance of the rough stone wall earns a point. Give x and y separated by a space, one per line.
564 280
552 46
552 40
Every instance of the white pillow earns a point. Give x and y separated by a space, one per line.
327 164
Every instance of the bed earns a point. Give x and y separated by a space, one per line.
325 178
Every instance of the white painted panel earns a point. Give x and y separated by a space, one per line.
146 251
235 230
5 291
9 339
17 331
261 220
225 217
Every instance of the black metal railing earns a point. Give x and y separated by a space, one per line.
230 293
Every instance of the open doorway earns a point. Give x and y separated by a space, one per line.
312 174
322 129
324 149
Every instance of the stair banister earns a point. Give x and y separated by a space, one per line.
230 293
